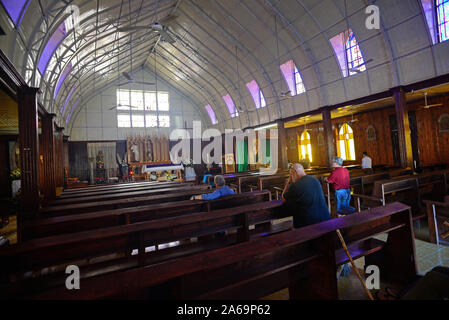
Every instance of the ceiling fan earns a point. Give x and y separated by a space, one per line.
123 105
131 80
160 26
427 106
352 118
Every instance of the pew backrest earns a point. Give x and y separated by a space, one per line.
251 270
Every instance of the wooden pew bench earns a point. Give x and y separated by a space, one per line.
108 218
438 220
272 182
303 260
124 195
78 208
109 248
407 189
152 186
118 186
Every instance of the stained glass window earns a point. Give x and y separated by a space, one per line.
354 55
346 145
211 113
442 7
293 78
306 146
16 9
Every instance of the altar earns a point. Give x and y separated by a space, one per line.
161 167
150 154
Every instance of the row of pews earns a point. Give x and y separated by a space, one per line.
149 241
424 191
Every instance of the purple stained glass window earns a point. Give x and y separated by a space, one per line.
348 53
68 99
253 88
288 70
64 74
443 19
211 113
16 9
354 56
231 106
50 47
293 78
71 111
429 13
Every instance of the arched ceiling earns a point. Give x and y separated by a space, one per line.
214 38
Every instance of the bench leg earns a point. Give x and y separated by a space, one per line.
431 222
318 278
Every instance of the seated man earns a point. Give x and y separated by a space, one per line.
340 180
304 199
221 190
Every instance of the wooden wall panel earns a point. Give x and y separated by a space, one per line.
5 182
433 146
318 152
379 150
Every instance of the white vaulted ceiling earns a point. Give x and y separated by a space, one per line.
209 35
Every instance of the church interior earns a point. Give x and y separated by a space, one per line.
149 148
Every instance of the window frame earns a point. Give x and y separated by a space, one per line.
444 24
142 110
347 137
306 144
348 48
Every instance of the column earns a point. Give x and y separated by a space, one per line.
282 146
405 140
48 152
29 152
329 137
59 158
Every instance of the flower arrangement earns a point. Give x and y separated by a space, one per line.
15 174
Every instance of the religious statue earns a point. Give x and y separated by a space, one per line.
100 160
149 150
135 150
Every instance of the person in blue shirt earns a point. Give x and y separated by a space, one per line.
222 190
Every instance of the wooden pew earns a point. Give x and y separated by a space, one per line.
117 186
148 186
78 208
303 260
34 255
125 195
438 220
408 189
108 218
273 183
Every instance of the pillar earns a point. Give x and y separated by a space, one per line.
405 140
329 137
29 152
282 146
48 152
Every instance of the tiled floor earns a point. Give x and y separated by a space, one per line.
428 256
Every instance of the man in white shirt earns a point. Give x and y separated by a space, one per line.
366 161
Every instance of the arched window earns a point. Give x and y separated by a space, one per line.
442 8
354 56
305 149
346 146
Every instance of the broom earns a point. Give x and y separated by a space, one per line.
343 243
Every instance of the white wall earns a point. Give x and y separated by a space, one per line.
95 122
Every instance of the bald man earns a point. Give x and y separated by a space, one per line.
304 198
